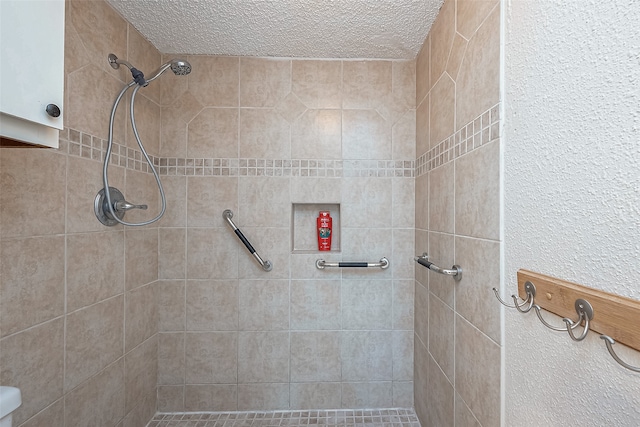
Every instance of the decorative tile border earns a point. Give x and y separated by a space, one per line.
80 144
345 417
480 131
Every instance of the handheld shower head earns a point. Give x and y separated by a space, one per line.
178 66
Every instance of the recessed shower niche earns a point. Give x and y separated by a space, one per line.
304 233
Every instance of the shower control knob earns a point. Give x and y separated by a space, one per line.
53 110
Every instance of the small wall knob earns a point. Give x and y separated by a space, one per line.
53 110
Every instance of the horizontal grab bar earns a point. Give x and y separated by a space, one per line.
384 263
266 265
455 271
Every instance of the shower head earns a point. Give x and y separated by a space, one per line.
178 66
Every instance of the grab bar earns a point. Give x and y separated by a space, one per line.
266 265
455 271
384 263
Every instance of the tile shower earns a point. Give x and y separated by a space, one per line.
177 317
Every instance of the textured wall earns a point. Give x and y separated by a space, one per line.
77 304
572 197
257 136
457 324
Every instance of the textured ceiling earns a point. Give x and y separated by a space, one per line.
384 29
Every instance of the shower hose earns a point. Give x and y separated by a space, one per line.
107 158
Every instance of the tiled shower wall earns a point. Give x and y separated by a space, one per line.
78 320
457 324
260 136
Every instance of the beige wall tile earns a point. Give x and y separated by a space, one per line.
315 304
423 71
442 336
442 199
263 305
367 356
53 415
172 253
442 110
421 380
422 313
403 76
422 126
142 412
264 133
90 111
208 197
141 257
403 136
478 193
478 82
403 304
366 244
317 134
365 135
32 286
171 366
173 87
402 356
94 339
26 175
470 14
141 314
141 374
212 305
75 52
264 82
315 356
366 304
214 80
422 202
403 203
441 398
263 357
93 273
256 397
422 242
171 398
458 50
211 397
464 416
212 254
366 84
367 394
211 357
98 401
33 361
318 84
263 202
481 260
478 372
441 34
369 201
403 394
175 188
403 254
316 395
170 300
213 133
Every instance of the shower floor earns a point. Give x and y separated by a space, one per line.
343 418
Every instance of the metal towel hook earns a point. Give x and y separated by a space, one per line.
530 289
585 310
610 342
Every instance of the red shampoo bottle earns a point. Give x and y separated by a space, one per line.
323 225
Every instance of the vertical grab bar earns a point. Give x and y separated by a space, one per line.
227 215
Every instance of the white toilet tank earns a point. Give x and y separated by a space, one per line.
10 399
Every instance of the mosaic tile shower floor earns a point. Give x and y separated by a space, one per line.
329 418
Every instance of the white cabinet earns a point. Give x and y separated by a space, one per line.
31 70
